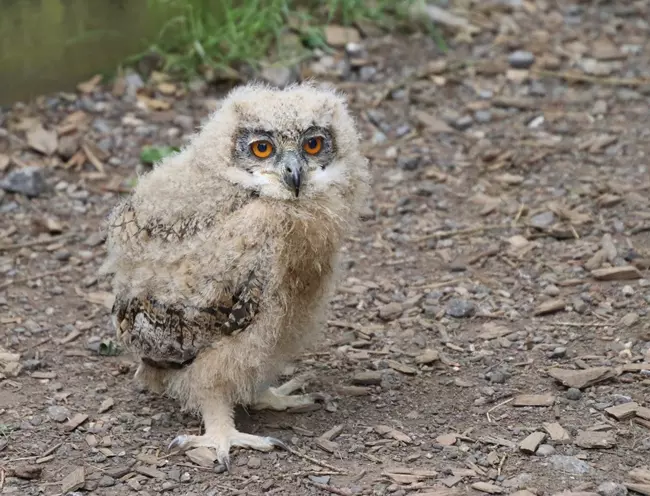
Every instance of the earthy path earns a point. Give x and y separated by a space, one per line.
503 258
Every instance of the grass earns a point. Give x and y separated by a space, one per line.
217 35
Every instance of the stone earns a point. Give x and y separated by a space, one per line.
58 413
460 308
595 439
28 181
521 59
573 394
543 220
545 450
612 489
569 464
280 76
391 311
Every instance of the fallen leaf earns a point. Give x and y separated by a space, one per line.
90 85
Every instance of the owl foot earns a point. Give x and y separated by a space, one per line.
280 398
222 442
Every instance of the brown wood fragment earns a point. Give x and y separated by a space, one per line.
73 481
639 488
447 439
75 421
391 433
581 378
403 368
558 433
623 411
550 306
150 471
532 442
595 440
643 412
203 457
640 474
534 400
486 487
624 273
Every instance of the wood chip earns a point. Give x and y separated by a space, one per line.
403 368
203 457
643 412
624 273
623 411
550 306
534 400
558 433
432 123
532 442
73 481
486 487
429 356
42 140
581 378
367 378
409 475
106 405
150 471
493 331
75 421
639 488
389 432
595 439
640 474
447 439
326 445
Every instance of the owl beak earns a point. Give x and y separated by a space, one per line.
292 175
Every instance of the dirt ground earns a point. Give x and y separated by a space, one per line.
494 304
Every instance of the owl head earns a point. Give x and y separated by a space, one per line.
291 144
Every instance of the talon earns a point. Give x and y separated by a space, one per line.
178 442
276 442
318 396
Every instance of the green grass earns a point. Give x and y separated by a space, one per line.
217 35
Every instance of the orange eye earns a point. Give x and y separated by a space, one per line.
262 149
313 145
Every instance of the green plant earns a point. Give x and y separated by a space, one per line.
152 154
213 35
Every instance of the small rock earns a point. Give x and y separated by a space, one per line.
254 462
391 311
279 76
543 220
558 352
106 481
573 394
460 308
463 123
545 450
58 413
629 319
28 181
612 489
569 464
483 116
552 290
521 59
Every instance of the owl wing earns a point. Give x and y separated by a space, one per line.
170 335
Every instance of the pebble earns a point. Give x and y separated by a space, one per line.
558 352
521 59
106 481
543 220
460 308
545 450
612 489
483 116
573 394
28 181
552 290
58 413
464 122
569 464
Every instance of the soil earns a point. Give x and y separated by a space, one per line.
493 308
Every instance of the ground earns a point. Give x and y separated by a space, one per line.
504 253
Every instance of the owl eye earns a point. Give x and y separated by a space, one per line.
313 145
262 149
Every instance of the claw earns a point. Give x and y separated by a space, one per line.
178 442
276 442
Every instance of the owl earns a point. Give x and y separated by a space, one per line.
223 258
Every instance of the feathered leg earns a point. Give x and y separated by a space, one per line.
280 398
221 434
